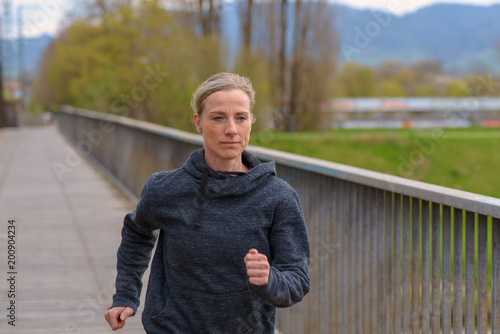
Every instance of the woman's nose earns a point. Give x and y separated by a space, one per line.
231 128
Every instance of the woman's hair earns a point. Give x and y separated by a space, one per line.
219 82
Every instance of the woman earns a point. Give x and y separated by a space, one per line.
233 243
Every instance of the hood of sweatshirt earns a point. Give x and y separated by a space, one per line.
218 184
215 184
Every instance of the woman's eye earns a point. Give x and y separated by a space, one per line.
217 118
241 118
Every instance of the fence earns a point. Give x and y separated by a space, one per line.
388 255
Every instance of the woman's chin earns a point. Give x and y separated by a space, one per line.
230 153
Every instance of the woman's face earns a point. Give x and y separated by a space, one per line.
225 122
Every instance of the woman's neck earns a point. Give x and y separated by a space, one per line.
230 165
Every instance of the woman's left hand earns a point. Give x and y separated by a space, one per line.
257 267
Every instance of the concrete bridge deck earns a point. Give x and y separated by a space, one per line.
68 218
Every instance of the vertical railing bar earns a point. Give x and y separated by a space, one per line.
415 264
342 246
326 231
482 272
331 231
314 213
406 265
297 179
368 249
374 226
397 263
362 286
389 208
353 260
435 300
345 257
469 272
457 270
495 280
364 265
425 268
381 264
308 198
334 284
283 325
305 199
446 280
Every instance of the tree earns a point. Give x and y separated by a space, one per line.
303 63
247 24
388 69
408 79
426 71
390 88
484 85
355 81
457 88
424 90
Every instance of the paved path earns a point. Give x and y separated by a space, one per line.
67 233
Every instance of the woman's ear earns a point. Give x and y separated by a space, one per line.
197 123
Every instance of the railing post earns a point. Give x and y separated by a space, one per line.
469 273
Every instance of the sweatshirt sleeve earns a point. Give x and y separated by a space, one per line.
138 240
290 255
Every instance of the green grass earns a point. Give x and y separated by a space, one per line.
465 159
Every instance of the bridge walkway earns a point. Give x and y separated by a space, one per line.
68 218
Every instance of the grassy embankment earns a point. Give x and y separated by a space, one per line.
465 159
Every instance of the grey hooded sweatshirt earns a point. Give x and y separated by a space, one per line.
208 221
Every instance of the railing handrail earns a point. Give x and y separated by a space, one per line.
480 204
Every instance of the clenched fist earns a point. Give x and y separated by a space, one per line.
257 267
117 315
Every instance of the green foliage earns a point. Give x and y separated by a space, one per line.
484 85
425 91
390 88
424 79
355 81
457 88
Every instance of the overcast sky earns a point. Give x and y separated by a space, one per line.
46 16
406 6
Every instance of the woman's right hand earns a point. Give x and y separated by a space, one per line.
116 316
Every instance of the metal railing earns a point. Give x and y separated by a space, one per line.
388 255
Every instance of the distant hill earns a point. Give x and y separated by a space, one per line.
462 37
33 52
